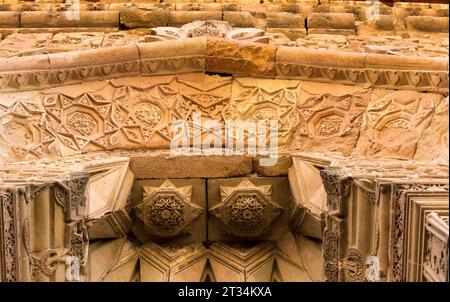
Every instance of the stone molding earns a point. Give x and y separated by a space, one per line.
224 56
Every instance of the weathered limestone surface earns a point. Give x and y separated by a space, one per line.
90 182
22 44
265 99
248 208
434 144
169 57
58 19
329 117
240 58
394 123
181 166
331 23
142 15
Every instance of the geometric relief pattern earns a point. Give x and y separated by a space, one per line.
221 262
122 114
329 121
394 122
434 143
266 100
246 210
167 210
23 131
435 267
205 94
126 113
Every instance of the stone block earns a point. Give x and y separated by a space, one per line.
240 58
163 165
247 208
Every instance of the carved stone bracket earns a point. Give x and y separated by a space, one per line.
246 210
167 210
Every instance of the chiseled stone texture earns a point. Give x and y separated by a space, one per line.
329 117
284 162
141 15
394 122
75 41
269 100
241 58
434 143
419 26
331 23
162 165
208 95
24 44
169 57
177 208
125 37
253 208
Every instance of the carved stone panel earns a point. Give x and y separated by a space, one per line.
107 211
24 132
266 100
122 113
113 261
170 209
403 196
252 208
394 123
435 267
309 199
208 95
9 235
418 208
264 261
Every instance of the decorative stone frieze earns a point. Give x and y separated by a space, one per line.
122 158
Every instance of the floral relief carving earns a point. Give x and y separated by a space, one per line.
354 266
45 262
331 246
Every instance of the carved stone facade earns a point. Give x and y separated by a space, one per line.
337 169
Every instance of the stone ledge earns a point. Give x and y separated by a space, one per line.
243 58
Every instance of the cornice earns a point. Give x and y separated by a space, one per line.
228 57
